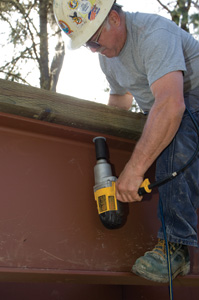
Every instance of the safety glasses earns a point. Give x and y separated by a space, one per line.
94 43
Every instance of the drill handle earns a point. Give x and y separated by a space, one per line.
145 187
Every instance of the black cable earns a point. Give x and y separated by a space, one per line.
167 251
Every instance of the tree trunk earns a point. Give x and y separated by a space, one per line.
57 63
44 55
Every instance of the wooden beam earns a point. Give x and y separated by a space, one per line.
31 102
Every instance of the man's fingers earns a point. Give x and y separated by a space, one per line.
128 196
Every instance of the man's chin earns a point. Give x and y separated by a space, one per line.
102 50
107 53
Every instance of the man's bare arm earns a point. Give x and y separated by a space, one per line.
162 124
121 101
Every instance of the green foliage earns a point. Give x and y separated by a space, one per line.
194 19
183 12
28 39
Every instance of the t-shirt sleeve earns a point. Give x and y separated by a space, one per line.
115 88
162 53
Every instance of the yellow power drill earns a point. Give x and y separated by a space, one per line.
112 212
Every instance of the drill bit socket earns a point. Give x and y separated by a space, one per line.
100 147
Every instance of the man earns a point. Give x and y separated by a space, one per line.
151 58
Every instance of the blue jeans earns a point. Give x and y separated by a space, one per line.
180 196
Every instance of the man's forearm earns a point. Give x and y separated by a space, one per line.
161 126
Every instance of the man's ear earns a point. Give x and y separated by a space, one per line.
114 18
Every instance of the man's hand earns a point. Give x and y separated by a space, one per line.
128 184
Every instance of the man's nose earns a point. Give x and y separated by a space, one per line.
93 49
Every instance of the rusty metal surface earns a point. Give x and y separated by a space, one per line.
157 293
48 215
71 291
49 227
13 291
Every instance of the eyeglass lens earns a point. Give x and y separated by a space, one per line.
94 44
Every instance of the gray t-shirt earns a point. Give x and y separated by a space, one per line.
154 47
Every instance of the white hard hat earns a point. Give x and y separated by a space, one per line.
81 19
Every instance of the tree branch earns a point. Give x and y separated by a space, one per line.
16 4
164 6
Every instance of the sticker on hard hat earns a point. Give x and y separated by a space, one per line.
65 27
87 9
84 7
93 13
76 19
73 4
